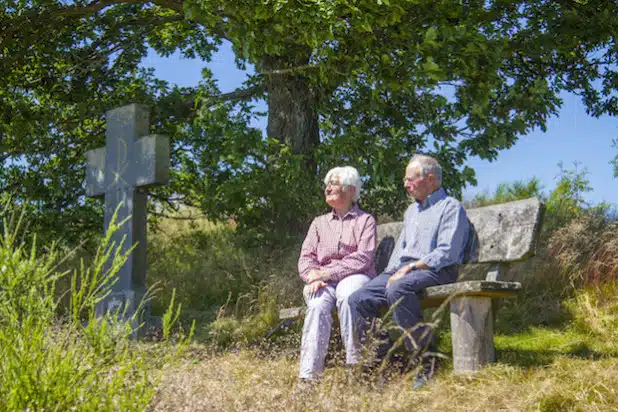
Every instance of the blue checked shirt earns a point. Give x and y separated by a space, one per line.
434 231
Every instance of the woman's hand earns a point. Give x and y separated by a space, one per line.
314 287
317 274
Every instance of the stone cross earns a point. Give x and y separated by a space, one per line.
129 162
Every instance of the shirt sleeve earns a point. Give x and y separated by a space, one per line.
452 237
359 261
308 259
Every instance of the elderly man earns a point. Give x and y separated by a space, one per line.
429 248
336 259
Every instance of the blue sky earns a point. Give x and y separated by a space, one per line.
572 137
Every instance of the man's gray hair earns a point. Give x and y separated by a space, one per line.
427 165
348 176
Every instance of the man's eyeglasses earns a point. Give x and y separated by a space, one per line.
411 179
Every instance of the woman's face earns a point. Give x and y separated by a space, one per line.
337 196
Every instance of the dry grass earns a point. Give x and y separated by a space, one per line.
556 343
586 249
603 264
247 380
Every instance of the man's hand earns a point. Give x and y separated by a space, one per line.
317 274
401 272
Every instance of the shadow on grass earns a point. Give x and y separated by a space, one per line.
545 288
516 316
529 357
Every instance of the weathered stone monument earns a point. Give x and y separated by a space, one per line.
129 162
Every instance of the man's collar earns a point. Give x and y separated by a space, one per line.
433 198
354 211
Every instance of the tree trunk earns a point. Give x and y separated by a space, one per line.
292 113
293 121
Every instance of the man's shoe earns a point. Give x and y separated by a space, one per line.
429 367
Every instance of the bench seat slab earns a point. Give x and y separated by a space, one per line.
435 295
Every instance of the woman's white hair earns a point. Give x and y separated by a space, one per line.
347 176
427 165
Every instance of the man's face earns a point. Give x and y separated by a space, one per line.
417 186
336 195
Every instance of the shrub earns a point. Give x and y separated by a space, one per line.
209 265
508 192
74 361
201 260
566 202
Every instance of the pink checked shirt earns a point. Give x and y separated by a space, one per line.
343 247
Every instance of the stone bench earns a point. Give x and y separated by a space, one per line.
500 234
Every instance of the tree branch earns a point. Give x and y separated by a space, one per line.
239 94
175 5
171 217
95 6
291 70
35 16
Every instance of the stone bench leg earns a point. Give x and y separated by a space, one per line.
472 328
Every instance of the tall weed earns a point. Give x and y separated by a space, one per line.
245 326
595 310
603 263
233 290
73 361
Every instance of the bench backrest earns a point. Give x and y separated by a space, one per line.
499 233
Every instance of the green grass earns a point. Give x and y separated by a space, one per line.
540 346
563 365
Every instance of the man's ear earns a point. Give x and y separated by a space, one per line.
434 181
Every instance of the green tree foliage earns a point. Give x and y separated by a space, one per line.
365 83
567 200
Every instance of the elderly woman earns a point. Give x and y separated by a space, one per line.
336 259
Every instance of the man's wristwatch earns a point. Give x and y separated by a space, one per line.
412 266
